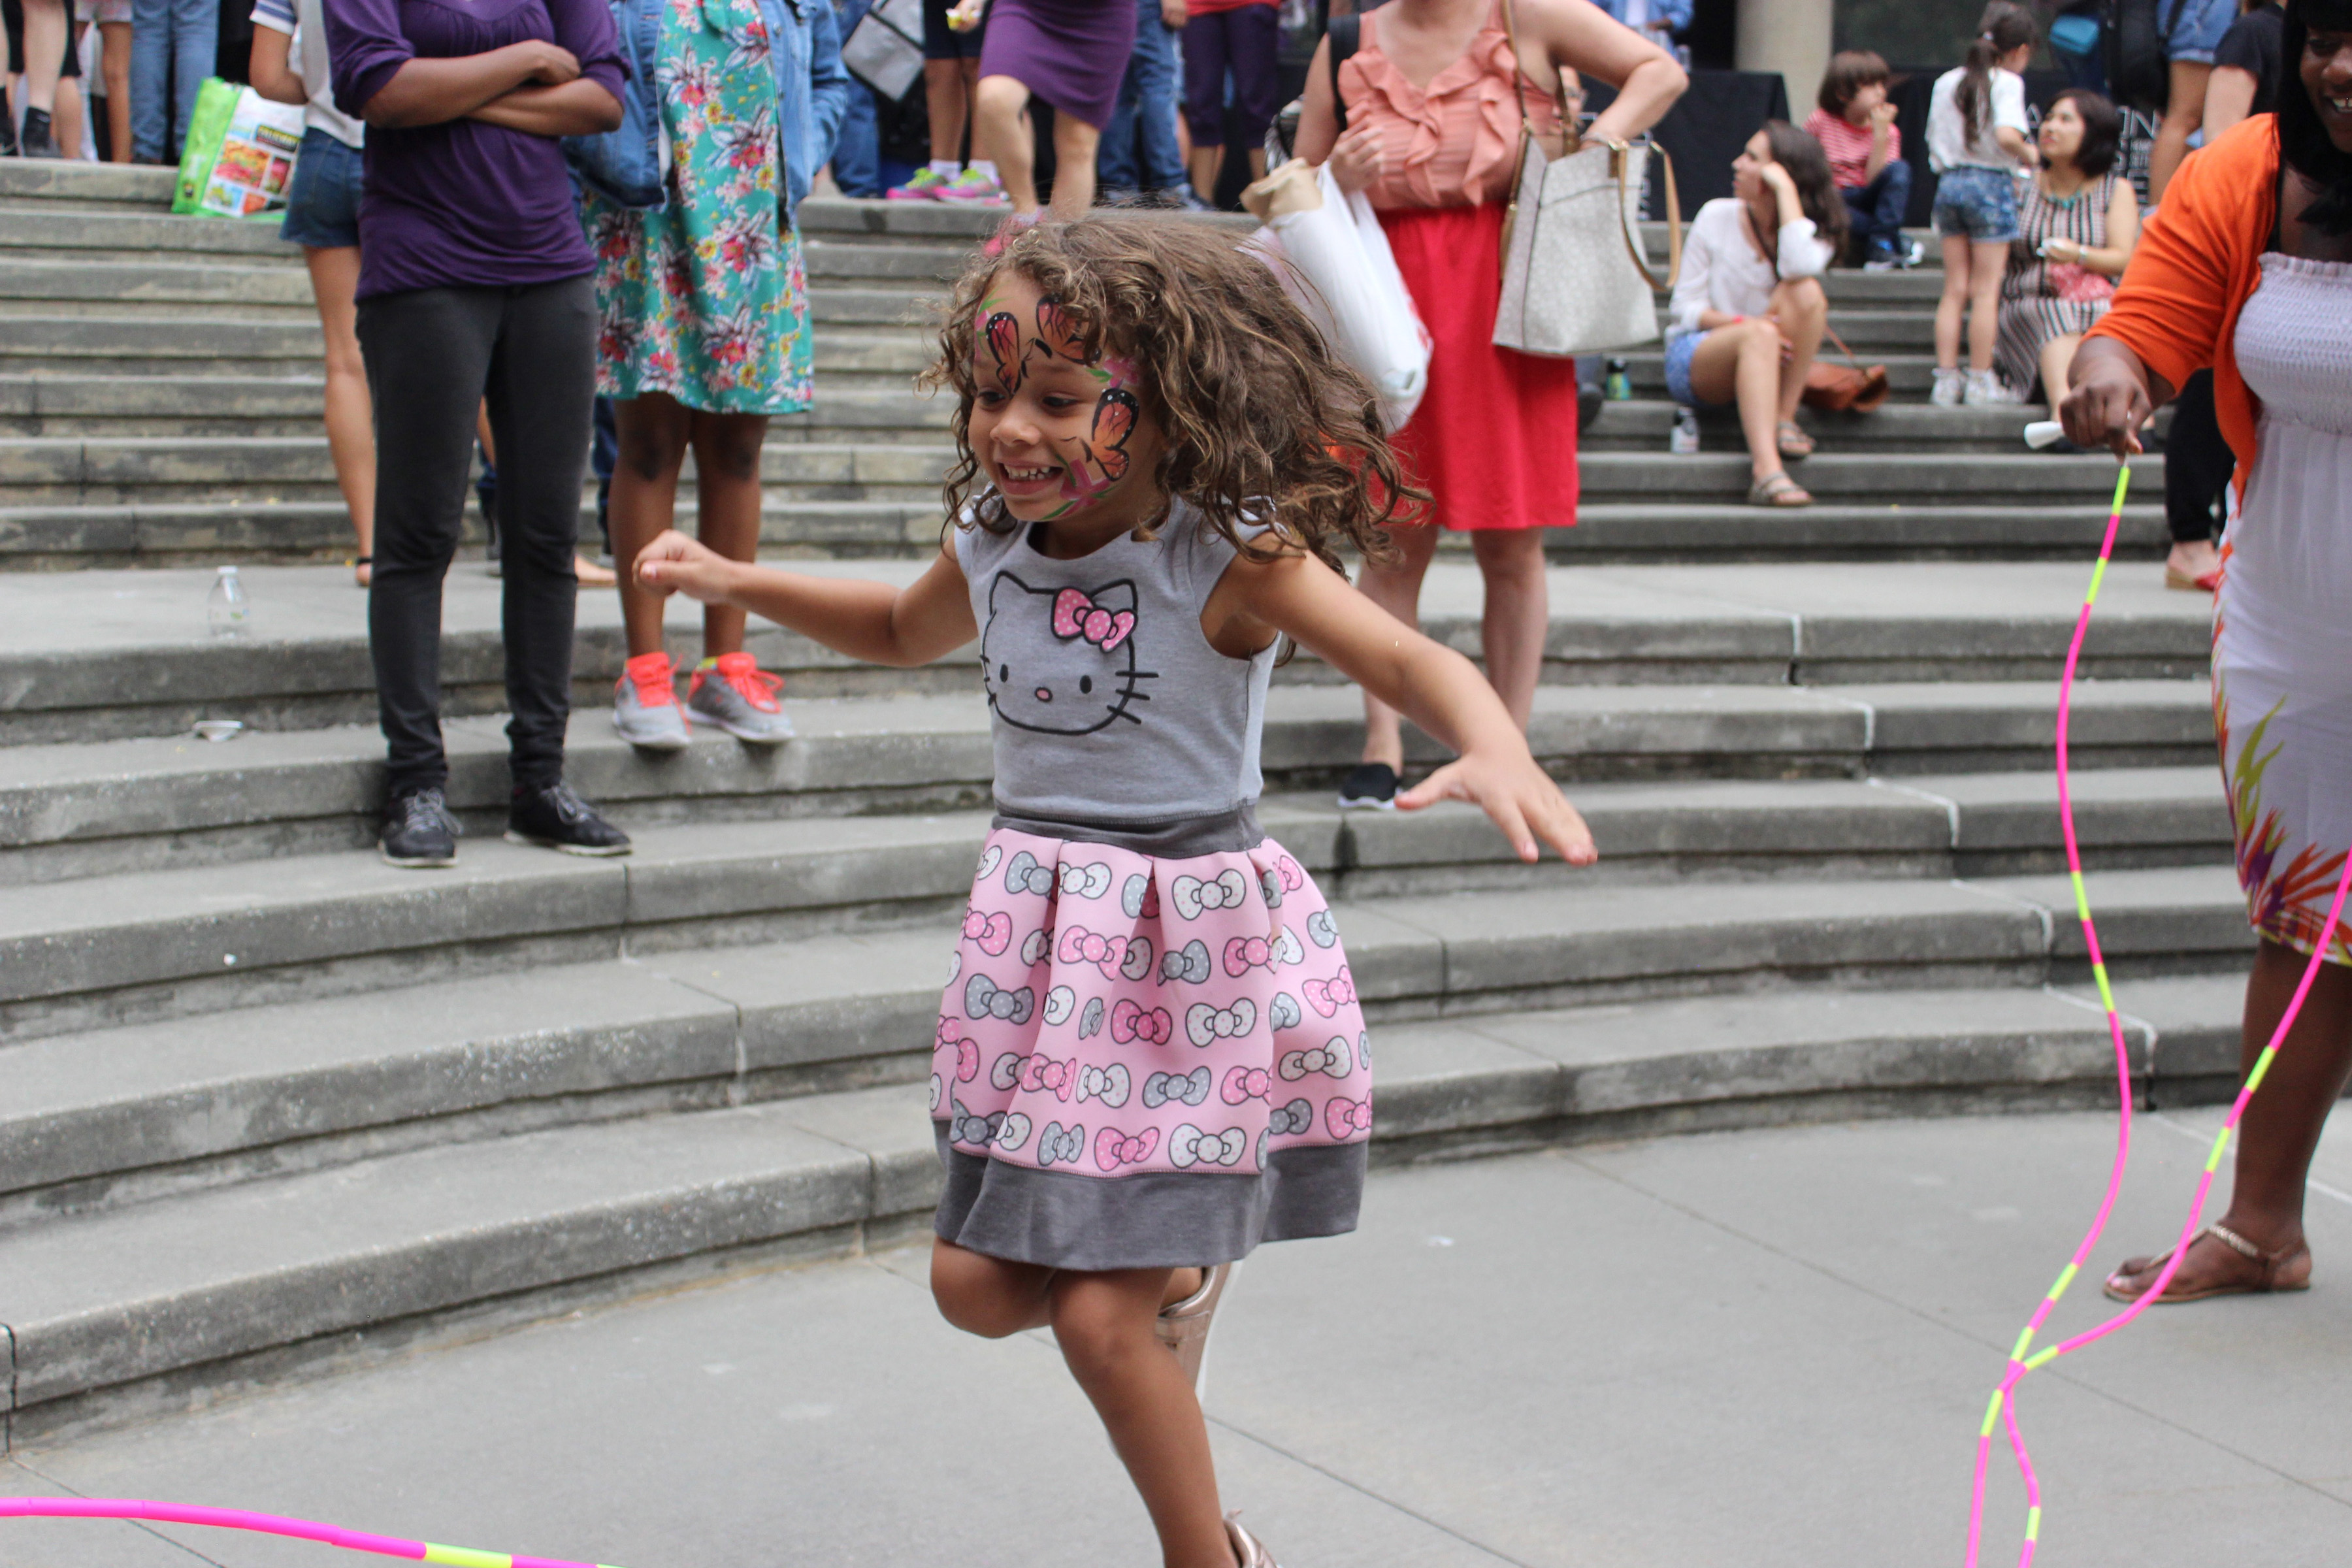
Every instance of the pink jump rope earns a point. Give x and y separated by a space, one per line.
2002 1410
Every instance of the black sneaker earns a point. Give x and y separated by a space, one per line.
418 831
553 818
37 141
1369 787
7 127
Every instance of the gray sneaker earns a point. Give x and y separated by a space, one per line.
645 704
742 699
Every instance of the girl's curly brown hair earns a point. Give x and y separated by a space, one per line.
1264 423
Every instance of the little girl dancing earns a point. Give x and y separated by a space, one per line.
1150 1055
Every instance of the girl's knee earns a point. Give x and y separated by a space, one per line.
978 1294
730 448
1802 294
1098 1333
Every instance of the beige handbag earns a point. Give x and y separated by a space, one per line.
1576 278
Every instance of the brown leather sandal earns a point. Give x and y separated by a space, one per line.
2270 1280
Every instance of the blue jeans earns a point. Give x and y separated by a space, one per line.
172 42
1143 127
857 147
1874 211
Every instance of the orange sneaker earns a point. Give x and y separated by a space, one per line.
645 704
733 692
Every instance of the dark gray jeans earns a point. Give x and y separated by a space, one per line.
433 354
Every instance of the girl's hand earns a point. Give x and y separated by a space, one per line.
1356 160
675 563
1520 797
550 65
1778 181
1881 118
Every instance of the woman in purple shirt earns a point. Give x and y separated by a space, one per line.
475 282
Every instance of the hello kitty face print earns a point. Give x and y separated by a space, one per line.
1053 422
1061 661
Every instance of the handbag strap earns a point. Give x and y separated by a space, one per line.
1620 157
1830 332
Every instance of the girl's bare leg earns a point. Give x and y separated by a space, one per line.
1986 268
1953 303
1740 364
655 430
1075 145
1105 1324
351 419
114 65
727 508
1803 311
943 96
1396 588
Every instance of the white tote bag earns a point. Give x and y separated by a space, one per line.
1333 259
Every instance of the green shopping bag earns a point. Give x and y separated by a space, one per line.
238 159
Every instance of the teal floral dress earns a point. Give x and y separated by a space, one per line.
706 300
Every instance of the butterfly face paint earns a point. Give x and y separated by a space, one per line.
1058 427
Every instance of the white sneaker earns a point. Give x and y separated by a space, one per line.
1986 387
645 704
1950 384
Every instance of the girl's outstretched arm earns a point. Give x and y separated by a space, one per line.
1432 685
867 620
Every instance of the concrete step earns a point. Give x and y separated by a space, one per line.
142 1305
166 406
141 345
87 809
1627 532
34 187
144 945
96 654
141 235
174 289
1644 425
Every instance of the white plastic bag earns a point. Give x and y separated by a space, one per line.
1333 259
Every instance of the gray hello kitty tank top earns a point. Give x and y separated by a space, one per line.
1115 722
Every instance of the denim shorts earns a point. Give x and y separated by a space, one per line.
1977 202
323 210
2196 31
1678 368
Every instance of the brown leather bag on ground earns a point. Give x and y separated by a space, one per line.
1848 387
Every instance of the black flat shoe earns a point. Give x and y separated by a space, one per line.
1369 787
419 833
553 818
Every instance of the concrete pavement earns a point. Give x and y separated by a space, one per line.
1756 1348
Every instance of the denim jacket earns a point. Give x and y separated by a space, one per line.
812 88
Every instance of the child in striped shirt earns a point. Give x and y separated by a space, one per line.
1855 126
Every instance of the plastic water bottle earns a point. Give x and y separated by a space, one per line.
227 609
1684 439
1619 387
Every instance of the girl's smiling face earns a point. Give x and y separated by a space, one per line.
2326 72
1060 433
2062 134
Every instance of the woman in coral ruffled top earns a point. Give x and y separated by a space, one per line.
1425 120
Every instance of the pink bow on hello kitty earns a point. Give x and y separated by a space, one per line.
991 933
1043 1075
1129 1022
1346 1117
966 1052
1075 616
1114 1148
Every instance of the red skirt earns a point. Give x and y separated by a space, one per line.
1494 440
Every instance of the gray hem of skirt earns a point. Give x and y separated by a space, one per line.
1157 1220
1178 839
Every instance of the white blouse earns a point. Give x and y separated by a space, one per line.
1721 270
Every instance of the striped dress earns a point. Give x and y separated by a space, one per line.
2035 306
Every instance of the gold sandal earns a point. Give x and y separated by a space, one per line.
1248 1550
1184 1325
2267 1282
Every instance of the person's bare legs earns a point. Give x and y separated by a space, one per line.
1517 615
1206 164
654 431
65 121
1074 145
1986 265
2283 1121
727 509
2193 558
2184 112
1802 309
1742 365
114 65
351 420
1396 588
2056 355
1000 133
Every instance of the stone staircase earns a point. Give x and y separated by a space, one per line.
267 1103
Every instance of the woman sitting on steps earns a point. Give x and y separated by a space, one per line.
1749 312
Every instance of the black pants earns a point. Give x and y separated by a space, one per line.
2197 462
433 354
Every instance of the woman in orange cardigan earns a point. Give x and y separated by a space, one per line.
2247 268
